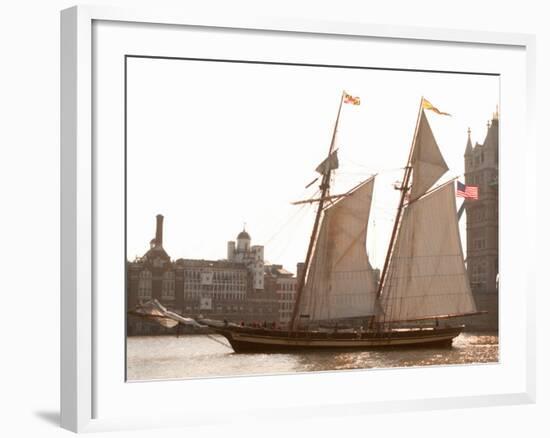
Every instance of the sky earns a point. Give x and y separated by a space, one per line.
216 145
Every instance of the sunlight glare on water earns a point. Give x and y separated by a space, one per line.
169 357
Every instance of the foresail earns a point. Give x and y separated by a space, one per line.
340 281
426 275
427 162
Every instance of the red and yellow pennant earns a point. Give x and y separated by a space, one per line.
348 98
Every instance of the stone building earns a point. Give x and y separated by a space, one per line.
251 256
481 170
233 289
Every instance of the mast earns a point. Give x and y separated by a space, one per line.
424 274
404 188
325 184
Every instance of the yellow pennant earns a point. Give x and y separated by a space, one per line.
427 105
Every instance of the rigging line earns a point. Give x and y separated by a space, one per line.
384 216
314 195
416 257
410 297
382 205
294 216
432 190
379 171
277 253
446 316
352 271
284 244
373 239
219 342
267 216
350 176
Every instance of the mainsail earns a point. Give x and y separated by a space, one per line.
340 281
426 275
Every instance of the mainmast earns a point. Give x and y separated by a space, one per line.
424 274
325 184
404 188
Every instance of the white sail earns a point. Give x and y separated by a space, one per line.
427 162
340 281
426 275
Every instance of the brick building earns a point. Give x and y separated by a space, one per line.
284 284
240 288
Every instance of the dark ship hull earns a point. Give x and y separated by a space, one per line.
253 340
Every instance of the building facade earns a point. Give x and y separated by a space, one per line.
481 170
233 289
284 284
251 256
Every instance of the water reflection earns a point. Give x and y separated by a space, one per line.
169 357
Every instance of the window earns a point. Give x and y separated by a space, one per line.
145 285
479 274
479 244
168 286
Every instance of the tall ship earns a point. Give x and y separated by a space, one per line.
340 303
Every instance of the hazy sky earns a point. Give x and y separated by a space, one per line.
214 145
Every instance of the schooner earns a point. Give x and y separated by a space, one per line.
423 280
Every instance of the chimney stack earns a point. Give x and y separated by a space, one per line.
300 270
230 251
158 235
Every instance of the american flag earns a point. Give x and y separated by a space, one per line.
464 191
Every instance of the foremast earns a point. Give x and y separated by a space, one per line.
325 186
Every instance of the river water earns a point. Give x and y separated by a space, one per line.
169 357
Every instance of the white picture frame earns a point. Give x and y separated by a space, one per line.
80 369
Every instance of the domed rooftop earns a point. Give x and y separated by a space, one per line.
243 235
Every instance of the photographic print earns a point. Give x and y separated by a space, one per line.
287 218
